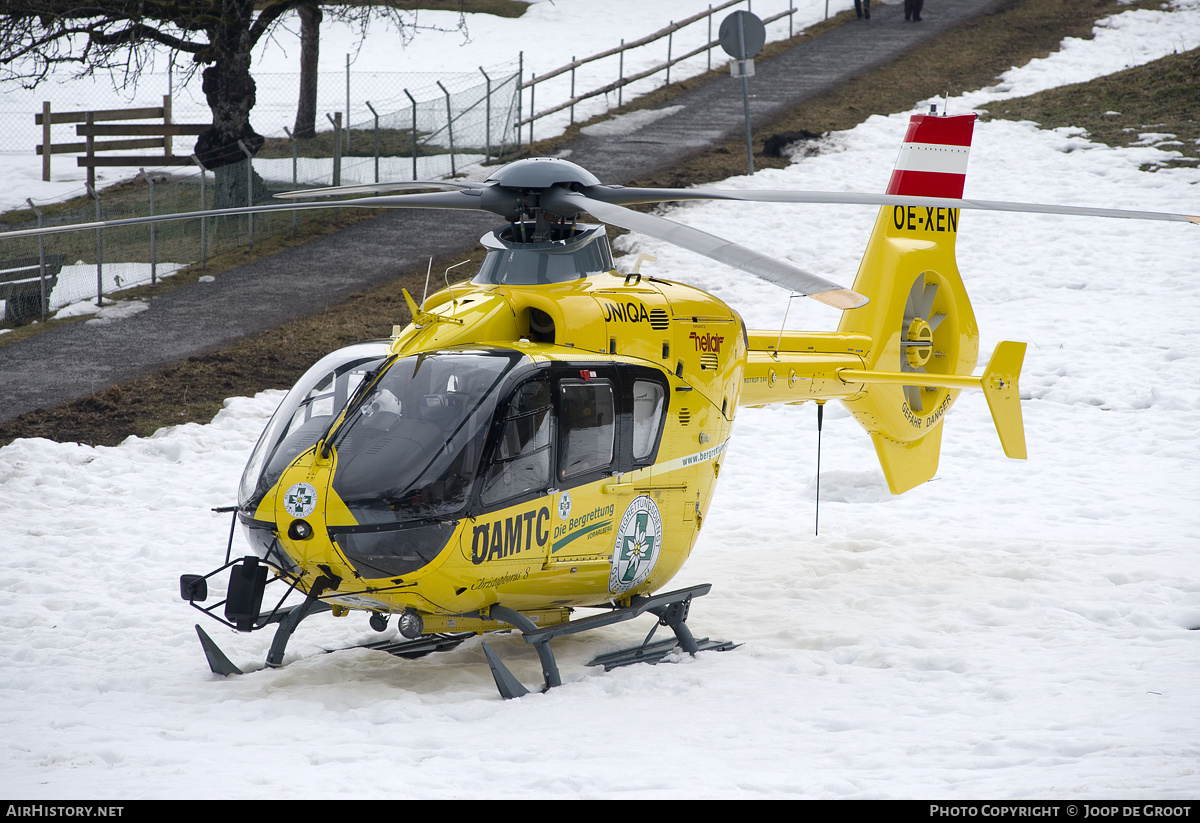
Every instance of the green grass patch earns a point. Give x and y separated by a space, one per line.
1159 98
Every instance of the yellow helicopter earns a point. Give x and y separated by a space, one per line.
548 435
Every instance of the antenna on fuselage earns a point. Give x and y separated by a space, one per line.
447 276
428 271
817 510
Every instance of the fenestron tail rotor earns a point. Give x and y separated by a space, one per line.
917 334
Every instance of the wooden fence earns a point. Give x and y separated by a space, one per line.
623 80
144 136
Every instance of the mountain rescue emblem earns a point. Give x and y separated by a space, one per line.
300 500
638 545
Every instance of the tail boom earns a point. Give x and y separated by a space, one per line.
899 362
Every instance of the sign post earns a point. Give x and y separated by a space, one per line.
742 35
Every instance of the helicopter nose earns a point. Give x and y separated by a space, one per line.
301 514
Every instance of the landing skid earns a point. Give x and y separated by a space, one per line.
655 652
671 609
289 620
408 649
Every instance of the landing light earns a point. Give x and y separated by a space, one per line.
300 530
411 625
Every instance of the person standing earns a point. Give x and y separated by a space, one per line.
863 8
912 9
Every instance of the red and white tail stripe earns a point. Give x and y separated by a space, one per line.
933 159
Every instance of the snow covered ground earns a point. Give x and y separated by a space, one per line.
1010 629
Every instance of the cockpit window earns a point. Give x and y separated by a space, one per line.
304 415
412 446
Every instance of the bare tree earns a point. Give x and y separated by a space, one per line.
310 43
122 36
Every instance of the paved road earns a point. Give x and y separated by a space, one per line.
80 359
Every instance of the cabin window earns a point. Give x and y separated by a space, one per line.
521 461
648 403
588 430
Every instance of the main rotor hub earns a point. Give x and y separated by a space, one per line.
542 173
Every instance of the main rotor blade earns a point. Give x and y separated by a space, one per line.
619 195
457 199
774 271
377 188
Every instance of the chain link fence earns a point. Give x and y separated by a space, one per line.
80 268
400 126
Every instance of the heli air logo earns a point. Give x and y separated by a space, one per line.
638 545
708 342
564 506
300 500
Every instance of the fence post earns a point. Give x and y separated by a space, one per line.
336 120
572 91
487 113
347 149
449 125
90 119
295 162
670 43
376 115
153 232
41 261
168 141
249 192
621 73
203 207
414 131
532 107
520 83
99 244
710 34
46 140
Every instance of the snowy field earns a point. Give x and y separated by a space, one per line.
1010 629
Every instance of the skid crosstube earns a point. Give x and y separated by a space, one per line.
671 609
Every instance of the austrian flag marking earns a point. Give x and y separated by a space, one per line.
933 159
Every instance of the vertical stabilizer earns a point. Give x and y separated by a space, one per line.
919 317
933 159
